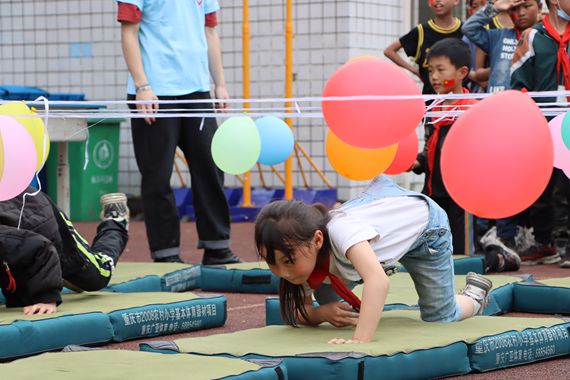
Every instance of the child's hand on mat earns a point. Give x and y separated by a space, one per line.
344 341
338 314
40 308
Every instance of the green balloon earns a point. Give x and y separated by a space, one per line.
236 145
566 130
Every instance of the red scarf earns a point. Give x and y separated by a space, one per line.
11 281
434 138
563 64
319 274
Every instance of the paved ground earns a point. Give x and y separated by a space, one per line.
247 310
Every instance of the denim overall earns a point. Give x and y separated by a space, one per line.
429 259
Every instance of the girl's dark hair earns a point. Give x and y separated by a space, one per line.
284 226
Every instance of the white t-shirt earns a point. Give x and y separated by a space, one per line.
391 225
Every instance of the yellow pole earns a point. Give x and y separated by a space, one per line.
289 92
245 45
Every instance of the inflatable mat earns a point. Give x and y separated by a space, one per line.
402 295
404 347
92 318
256 277
252 277
550 296
154 277
118 364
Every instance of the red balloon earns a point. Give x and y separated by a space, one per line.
372 123
498 157
405 156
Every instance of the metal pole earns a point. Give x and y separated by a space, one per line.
245 47
289 92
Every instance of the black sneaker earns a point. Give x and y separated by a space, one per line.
540 254
220 257
169 259
114 207
502 260
505 247
477 288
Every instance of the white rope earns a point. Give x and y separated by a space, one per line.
542 94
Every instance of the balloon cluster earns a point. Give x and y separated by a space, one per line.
239 143
370 137
24 148
496 160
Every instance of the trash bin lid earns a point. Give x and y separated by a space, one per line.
21 92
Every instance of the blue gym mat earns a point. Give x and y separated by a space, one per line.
121 364
254 277
404 347
551 296
402 295
154 277
99 317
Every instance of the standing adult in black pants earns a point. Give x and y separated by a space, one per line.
171 48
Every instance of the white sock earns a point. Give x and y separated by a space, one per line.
476 306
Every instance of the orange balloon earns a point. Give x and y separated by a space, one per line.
498 157
358 164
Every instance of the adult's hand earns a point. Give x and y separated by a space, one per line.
221 93
150 108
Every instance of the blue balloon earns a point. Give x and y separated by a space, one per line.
277 140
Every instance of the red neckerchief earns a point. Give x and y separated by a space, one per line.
11 281
434 138
319 274
563 64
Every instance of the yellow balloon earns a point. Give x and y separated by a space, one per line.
358 164
34 126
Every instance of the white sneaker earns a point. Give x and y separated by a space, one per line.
477 288
524 238
114 207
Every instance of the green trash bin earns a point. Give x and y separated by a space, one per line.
99 177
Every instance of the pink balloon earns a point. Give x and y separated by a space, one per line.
18 159
405 155
497 158
372 124
561 152
566 172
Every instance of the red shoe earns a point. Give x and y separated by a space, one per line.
540 254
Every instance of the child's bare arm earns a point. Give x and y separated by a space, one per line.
391 52
376 286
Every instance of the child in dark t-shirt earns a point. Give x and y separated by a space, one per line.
420 39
